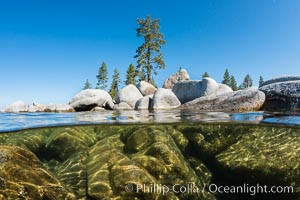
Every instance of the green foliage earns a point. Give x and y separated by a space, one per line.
233 83
131 74
226 77
205 75
102 77
116 80
261 81
149 56
247 82
87 85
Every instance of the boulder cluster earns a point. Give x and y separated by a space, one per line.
179 92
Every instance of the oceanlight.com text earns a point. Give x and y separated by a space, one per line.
211 188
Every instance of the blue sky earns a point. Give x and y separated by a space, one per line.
49 48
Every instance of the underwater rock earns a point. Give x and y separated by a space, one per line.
146 88
129 94
24 177
145 156
164 99
59 108
267 156
181 75
88 99
239 101
18 106
64 142
282 94
73 174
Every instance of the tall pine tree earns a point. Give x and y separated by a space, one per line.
205 75
226 78
149 56
261 81
102 77
131 74
87 85
233 83
116 80
248 82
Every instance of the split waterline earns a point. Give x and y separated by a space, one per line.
19 121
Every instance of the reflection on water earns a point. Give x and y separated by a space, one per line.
17 121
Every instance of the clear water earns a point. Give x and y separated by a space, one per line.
149 155
19 121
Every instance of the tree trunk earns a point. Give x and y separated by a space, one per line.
148 66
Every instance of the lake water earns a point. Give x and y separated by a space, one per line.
149 155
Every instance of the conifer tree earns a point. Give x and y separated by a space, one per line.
226 77
233 83
116 80
149 56
247 82
261 81
131 74
87 85
102 77
205 75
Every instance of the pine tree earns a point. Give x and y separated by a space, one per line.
233 84
149 56
102 77
247 82
116 80
261 81
87 85
226 79
131 74
205 75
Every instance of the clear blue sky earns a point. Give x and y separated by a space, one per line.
49 48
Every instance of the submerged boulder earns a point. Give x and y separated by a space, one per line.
18 106
164 99
239 101
146 88
88 99
129 94
282 93
23 176
181 75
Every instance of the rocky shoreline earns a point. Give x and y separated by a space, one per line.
179 92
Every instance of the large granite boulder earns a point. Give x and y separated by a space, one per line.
18 106
59 108
88 99
23 176
122 106
282 93
189 90
144 103
129 94
146 88
239 101
281 79
164 99
181 75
